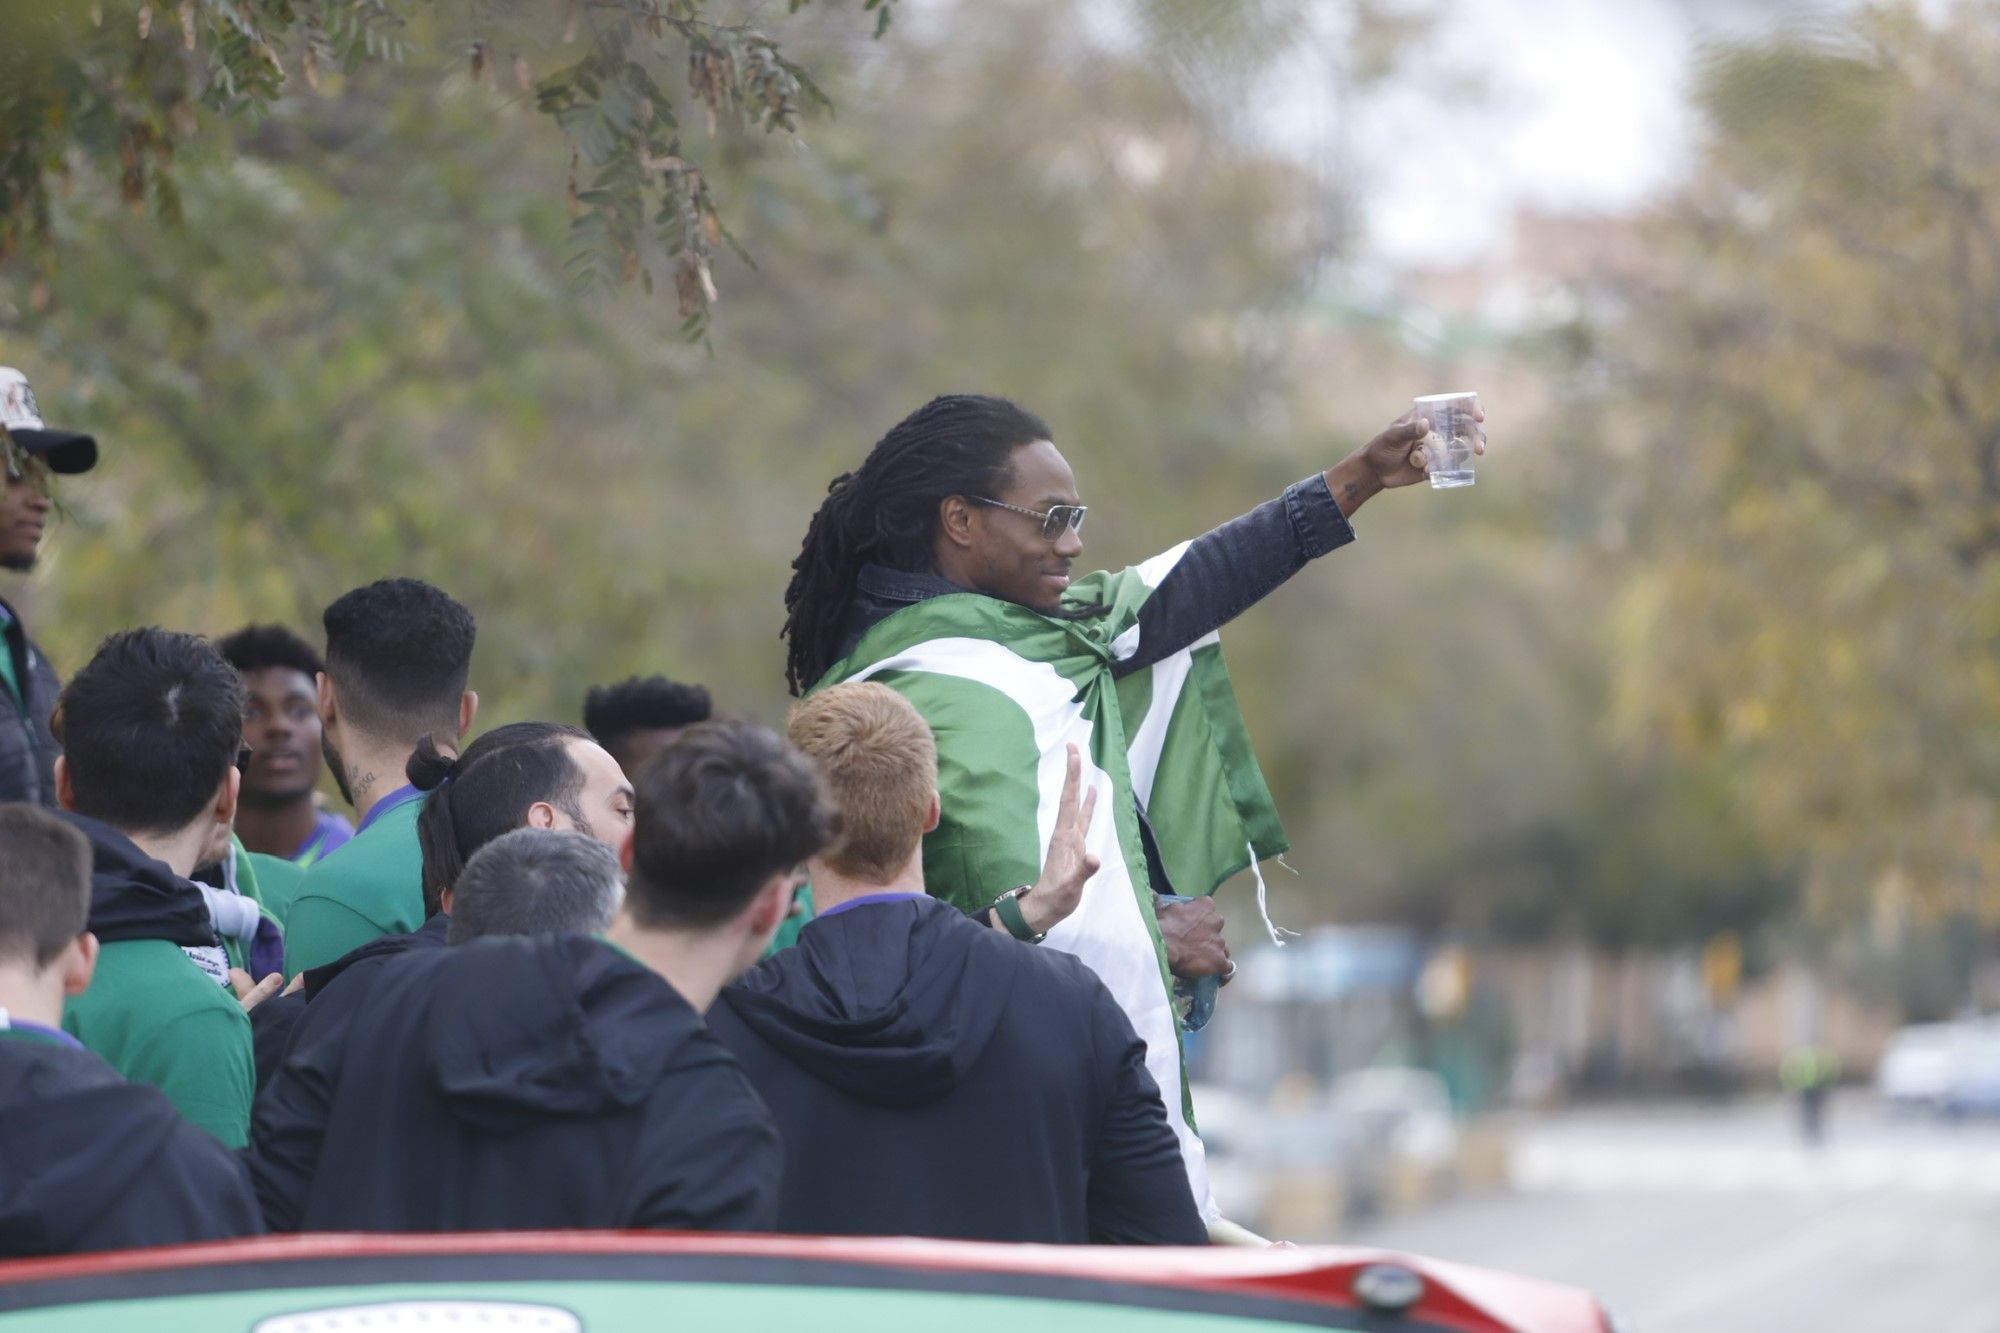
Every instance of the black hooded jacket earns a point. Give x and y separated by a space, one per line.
91 1162
511 1083
271 1022
135 897
933 1078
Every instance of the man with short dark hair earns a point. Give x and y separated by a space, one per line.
278 816
151 728
398 655
34 456
536 882
639 717
930 1076
564 1082
279 819
87 1160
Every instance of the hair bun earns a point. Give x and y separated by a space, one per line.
430 766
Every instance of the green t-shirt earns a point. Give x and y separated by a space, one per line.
157 1018
278 882
374 886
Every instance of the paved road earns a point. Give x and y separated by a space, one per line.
1719 1221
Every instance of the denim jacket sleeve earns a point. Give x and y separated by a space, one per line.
1226 571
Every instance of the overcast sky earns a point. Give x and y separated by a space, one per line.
1584 109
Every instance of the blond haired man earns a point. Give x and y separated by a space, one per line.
930 1076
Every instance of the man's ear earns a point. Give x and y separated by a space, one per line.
955 520
768 910
935 814
468 708
65 792
541 815
323 701
444 900
226 796
78 962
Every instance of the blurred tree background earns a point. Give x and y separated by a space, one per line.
1710 643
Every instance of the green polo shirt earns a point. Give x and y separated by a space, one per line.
157 1018
374 886
278 882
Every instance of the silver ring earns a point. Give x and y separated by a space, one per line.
1232 970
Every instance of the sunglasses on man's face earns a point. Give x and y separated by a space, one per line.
1053 522
27 467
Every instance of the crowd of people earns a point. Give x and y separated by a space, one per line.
920 964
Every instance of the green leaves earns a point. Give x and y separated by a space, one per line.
135 85
1813 446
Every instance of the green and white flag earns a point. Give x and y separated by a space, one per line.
1006 690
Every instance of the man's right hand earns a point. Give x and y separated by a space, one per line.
1069 864
1192 932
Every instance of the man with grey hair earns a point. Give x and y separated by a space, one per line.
565 1081
536 881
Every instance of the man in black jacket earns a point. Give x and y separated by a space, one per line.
563 1082
28 684
930 1076
87 1160
522 775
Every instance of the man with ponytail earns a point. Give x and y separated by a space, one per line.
942 568
564 1081
398 654
533 775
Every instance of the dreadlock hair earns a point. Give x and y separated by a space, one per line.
886 513
477 796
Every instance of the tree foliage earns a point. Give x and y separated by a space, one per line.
128 89
1802 446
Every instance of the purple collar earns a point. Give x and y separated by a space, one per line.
869 900
401 796
38 1032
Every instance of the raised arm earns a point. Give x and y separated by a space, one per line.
1207 583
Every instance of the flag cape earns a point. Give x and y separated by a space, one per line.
1005 690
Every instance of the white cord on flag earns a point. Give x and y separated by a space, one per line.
1276 931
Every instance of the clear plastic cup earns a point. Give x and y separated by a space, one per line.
1450 447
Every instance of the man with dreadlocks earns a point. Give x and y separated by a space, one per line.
941 568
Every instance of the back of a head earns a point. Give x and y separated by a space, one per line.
879 760
44 885
485 792
725 808
615 715
149 728
536 881
399 653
